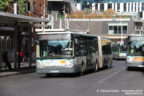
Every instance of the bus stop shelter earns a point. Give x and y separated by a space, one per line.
15 26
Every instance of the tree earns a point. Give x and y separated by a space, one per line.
4 5
110 12
22 4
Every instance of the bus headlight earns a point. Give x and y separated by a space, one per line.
39 64
129 59
69 63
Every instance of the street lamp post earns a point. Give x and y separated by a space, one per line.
44 15
19 6
121 30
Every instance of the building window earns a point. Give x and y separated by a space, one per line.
109 6
111 30
77 1
86 6
142 6
114 6
138 7
124 7
135 7
131 6
40 5
117 28
118 7
124 29
28 6
101 7
96 6
128 7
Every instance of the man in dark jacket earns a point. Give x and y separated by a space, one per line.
5 59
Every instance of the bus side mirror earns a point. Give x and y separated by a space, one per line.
142 49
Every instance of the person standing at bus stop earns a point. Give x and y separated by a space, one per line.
6 60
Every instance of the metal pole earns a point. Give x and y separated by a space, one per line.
44 15
121 27
121 30
60 25
15 8
15 45
89 25
19 6
30 46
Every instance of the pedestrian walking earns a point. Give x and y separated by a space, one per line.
21 56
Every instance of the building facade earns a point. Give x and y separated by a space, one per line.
122 7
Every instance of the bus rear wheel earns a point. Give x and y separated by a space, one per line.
109 63
48 75
96 68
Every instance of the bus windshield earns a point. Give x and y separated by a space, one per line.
50 48
136 47
122 49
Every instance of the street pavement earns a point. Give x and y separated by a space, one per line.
115 81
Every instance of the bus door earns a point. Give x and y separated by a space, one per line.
89 57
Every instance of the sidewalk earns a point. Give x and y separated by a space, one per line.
23 70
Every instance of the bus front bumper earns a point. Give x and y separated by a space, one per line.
122 57
135 64
55 69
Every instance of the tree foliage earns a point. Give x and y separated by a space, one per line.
21 3
89 14
4 5
109 12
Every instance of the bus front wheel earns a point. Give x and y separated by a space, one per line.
83 68
129 68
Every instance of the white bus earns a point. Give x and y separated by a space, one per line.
118 51
135 47
70 52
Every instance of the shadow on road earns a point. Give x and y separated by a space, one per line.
119 59
137 69
74 75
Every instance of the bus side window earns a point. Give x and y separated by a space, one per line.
106 49
82 49
76 50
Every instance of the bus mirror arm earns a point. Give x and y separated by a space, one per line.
36 42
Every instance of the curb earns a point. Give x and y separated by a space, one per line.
16 73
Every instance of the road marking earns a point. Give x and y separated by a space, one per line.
109 76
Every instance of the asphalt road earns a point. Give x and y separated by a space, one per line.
115 81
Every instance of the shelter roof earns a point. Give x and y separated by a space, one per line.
10 18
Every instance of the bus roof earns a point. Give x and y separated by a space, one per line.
105 42
67 32
135 35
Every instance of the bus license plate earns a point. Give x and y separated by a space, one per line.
140 66
54 71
